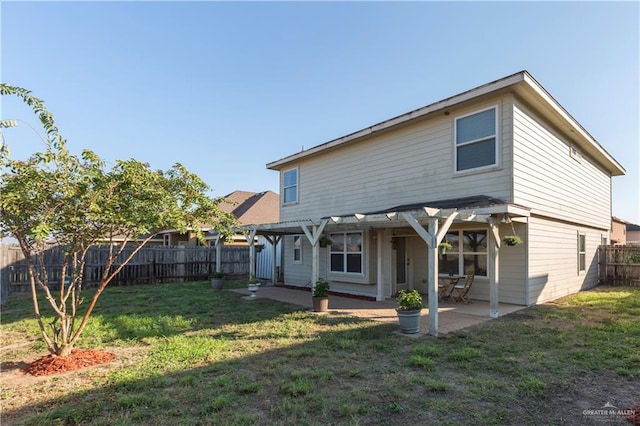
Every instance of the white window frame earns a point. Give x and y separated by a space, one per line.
345 253
461 253
296 186
294 249
495 136
582 253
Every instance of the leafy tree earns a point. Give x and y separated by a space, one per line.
55 197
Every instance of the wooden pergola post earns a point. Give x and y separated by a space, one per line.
274 240
250 237
218 245
494 266
433 236
313 235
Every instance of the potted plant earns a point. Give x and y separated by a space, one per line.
512 240
409 309
320 296
324 241
444 246
217 280
253 285
259 248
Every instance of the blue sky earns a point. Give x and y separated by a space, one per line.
226 87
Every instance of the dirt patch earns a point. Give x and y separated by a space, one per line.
79 358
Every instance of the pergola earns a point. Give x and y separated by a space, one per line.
430 222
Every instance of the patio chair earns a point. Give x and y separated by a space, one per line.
459 291
444 289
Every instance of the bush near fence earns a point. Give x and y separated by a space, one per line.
619 265
150 265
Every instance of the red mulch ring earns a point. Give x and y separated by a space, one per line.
634 416
79 358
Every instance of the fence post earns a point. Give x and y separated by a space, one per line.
209 271
153 266
4 275
180 263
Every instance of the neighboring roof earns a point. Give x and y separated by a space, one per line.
249 208
263 207
235 199
617 219
632 227
521 83
119 238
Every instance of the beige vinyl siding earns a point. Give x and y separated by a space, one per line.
413 163
512 287
297 273
551 182
553 259
418 265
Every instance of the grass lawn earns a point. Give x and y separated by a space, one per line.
186 355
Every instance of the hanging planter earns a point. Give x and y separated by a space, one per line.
324 241
444 246
513 239
259 248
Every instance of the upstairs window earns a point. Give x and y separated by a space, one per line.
476 141
290 186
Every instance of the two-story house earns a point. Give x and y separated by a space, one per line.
503 158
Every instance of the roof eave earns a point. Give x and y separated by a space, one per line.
533 90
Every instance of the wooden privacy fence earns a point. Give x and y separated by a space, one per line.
149 265
619 265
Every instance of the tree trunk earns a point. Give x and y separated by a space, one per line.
65 350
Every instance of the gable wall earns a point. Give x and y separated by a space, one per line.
550 181
412 164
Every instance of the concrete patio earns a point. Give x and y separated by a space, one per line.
451 316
